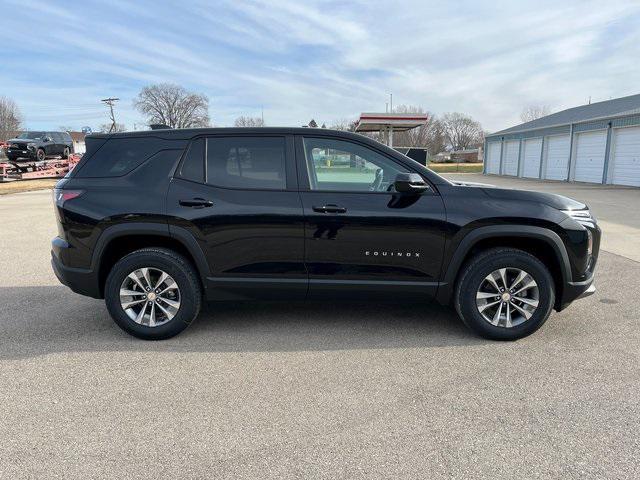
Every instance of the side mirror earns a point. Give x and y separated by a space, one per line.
46 139
410 183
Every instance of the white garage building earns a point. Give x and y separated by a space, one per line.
596 143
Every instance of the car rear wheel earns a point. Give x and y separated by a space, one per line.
504 294
153 293
65 153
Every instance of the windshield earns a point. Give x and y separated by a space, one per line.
31 135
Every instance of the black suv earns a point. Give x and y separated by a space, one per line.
155 222
29 146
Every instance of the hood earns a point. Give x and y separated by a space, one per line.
22 140
471 184
559 202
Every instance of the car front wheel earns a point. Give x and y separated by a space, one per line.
504 294
153 293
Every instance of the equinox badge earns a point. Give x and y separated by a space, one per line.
384 253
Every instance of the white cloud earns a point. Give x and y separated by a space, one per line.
325 59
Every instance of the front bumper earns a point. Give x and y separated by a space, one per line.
82 281
575 291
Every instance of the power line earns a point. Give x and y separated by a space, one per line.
111 102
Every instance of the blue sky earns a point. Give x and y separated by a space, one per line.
308 59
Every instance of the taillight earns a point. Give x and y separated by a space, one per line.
60 197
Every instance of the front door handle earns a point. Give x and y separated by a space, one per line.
196 203
330 209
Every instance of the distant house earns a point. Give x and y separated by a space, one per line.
469 155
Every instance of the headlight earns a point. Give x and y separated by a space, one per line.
583 217
31 145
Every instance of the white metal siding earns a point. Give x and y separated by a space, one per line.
493 157
510 157
590 153
626 156
531 154
557 158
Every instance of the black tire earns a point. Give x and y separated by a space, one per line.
41 155
65 153
473 274
177 267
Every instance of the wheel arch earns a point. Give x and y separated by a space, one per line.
541 242
119 240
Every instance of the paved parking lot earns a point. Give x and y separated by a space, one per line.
316 391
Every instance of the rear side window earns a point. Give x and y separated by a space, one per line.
246 162
119 156
192 167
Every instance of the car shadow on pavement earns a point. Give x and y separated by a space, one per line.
51 319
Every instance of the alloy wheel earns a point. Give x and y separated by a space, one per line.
507 297
150 296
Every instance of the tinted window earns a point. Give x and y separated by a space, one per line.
66 138
337 165
192 167
118 156
246 162
56 137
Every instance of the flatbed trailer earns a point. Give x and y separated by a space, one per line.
53 168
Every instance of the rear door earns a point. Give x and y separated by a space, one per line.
52 144
237 196
361 237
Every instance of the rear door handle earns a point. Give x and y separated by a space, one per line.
330 209
196 203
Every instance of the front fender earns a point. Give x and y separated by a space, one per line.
452 264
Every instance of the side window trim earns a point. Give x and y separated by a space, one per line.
304 173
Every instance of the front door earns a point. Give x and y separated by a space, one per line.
362 237
237 195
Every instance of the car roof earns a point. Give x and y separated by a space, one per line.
184 133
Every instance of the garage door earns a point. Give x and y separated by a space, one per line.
531 154
510 157
557 157
590 153
626 157
493 157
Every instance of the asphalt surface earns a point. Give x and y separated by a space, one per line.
309 390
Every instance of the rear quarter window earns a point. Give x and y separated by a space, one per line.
119 156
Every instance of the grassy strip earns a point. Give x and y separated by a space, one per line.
456 167
27 185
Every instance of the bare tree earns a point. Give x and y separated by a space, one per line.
106 128
461 131
533 112
345 125
431 135
248 122
65 128
10 118
173 105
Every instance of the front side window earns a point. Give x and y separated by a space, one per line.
338 165
246 162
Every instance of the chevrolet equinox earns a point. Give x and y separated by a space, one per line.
157 222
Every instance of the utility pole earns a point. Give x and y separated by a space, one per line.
262 114
391 103
111 102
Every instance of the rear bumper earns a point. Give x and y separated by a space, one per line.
84 282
